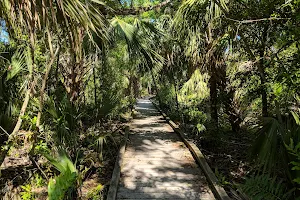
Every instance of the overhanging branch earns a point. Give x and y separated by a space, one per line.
138 10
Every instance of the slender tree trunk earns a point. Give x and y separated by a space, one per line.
176 98
154 82
17 126
213 99
227 95
21 115
176 95
57 66
95 88
129 89
234 118
264 96
42 91
135 86
191 69
155 86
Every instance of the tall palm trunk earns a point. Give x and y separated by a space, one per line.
155 86
95 88
235 119
42 91
227 95
176 96
264 96
135 85
213 98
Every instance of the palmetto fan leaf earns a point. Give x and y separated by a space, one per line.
63 185
103 140
196 22
18 64
57 15
139 39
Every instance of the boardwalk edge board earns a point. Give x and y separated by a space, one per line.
218 190
113 188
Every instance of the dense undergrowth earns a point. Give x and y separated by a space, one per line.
71 70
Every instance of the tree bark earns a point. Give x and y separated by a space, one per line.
42 91
261 69
95 88
176 96
234 118
137 11
264 96
135 85
213 99
22 112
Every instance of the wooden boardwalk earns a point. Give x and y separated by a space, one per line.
157 164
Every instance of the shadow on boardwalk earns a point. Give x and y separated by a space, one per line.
157 165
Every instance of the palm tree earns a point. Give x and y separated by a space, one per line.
65 21
200 23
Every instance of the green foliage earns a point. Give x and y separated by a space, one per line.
194 115
295 151
264 187
27 194
96 193
226 62
167 96
101 140
64 185
270 145
221 178
195 90
35 182
64 118
38 180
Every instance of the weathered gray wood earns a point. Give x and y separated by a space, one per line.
165 195
186 185
112 192
157 164
217 189
156 190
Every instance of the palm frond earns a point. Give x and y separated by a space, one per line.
264 187
101 141
18 64
64 185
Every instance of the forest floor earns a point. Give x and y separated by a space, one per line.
18 176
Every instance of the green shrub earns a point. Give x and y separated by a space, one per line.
64 186
96 193
263 187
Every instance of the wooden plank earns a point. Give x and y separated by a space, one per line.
157 184
166 195
148 173
182 180
199 157
157 189
162 167
157 158
113 188
141 164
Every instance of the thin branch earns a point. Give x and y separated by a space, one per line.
256 20
139 10
4 131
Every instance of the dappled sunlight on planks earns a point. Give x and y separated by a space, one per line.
157 164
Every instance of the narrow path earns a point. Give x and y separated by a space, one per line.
157 164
